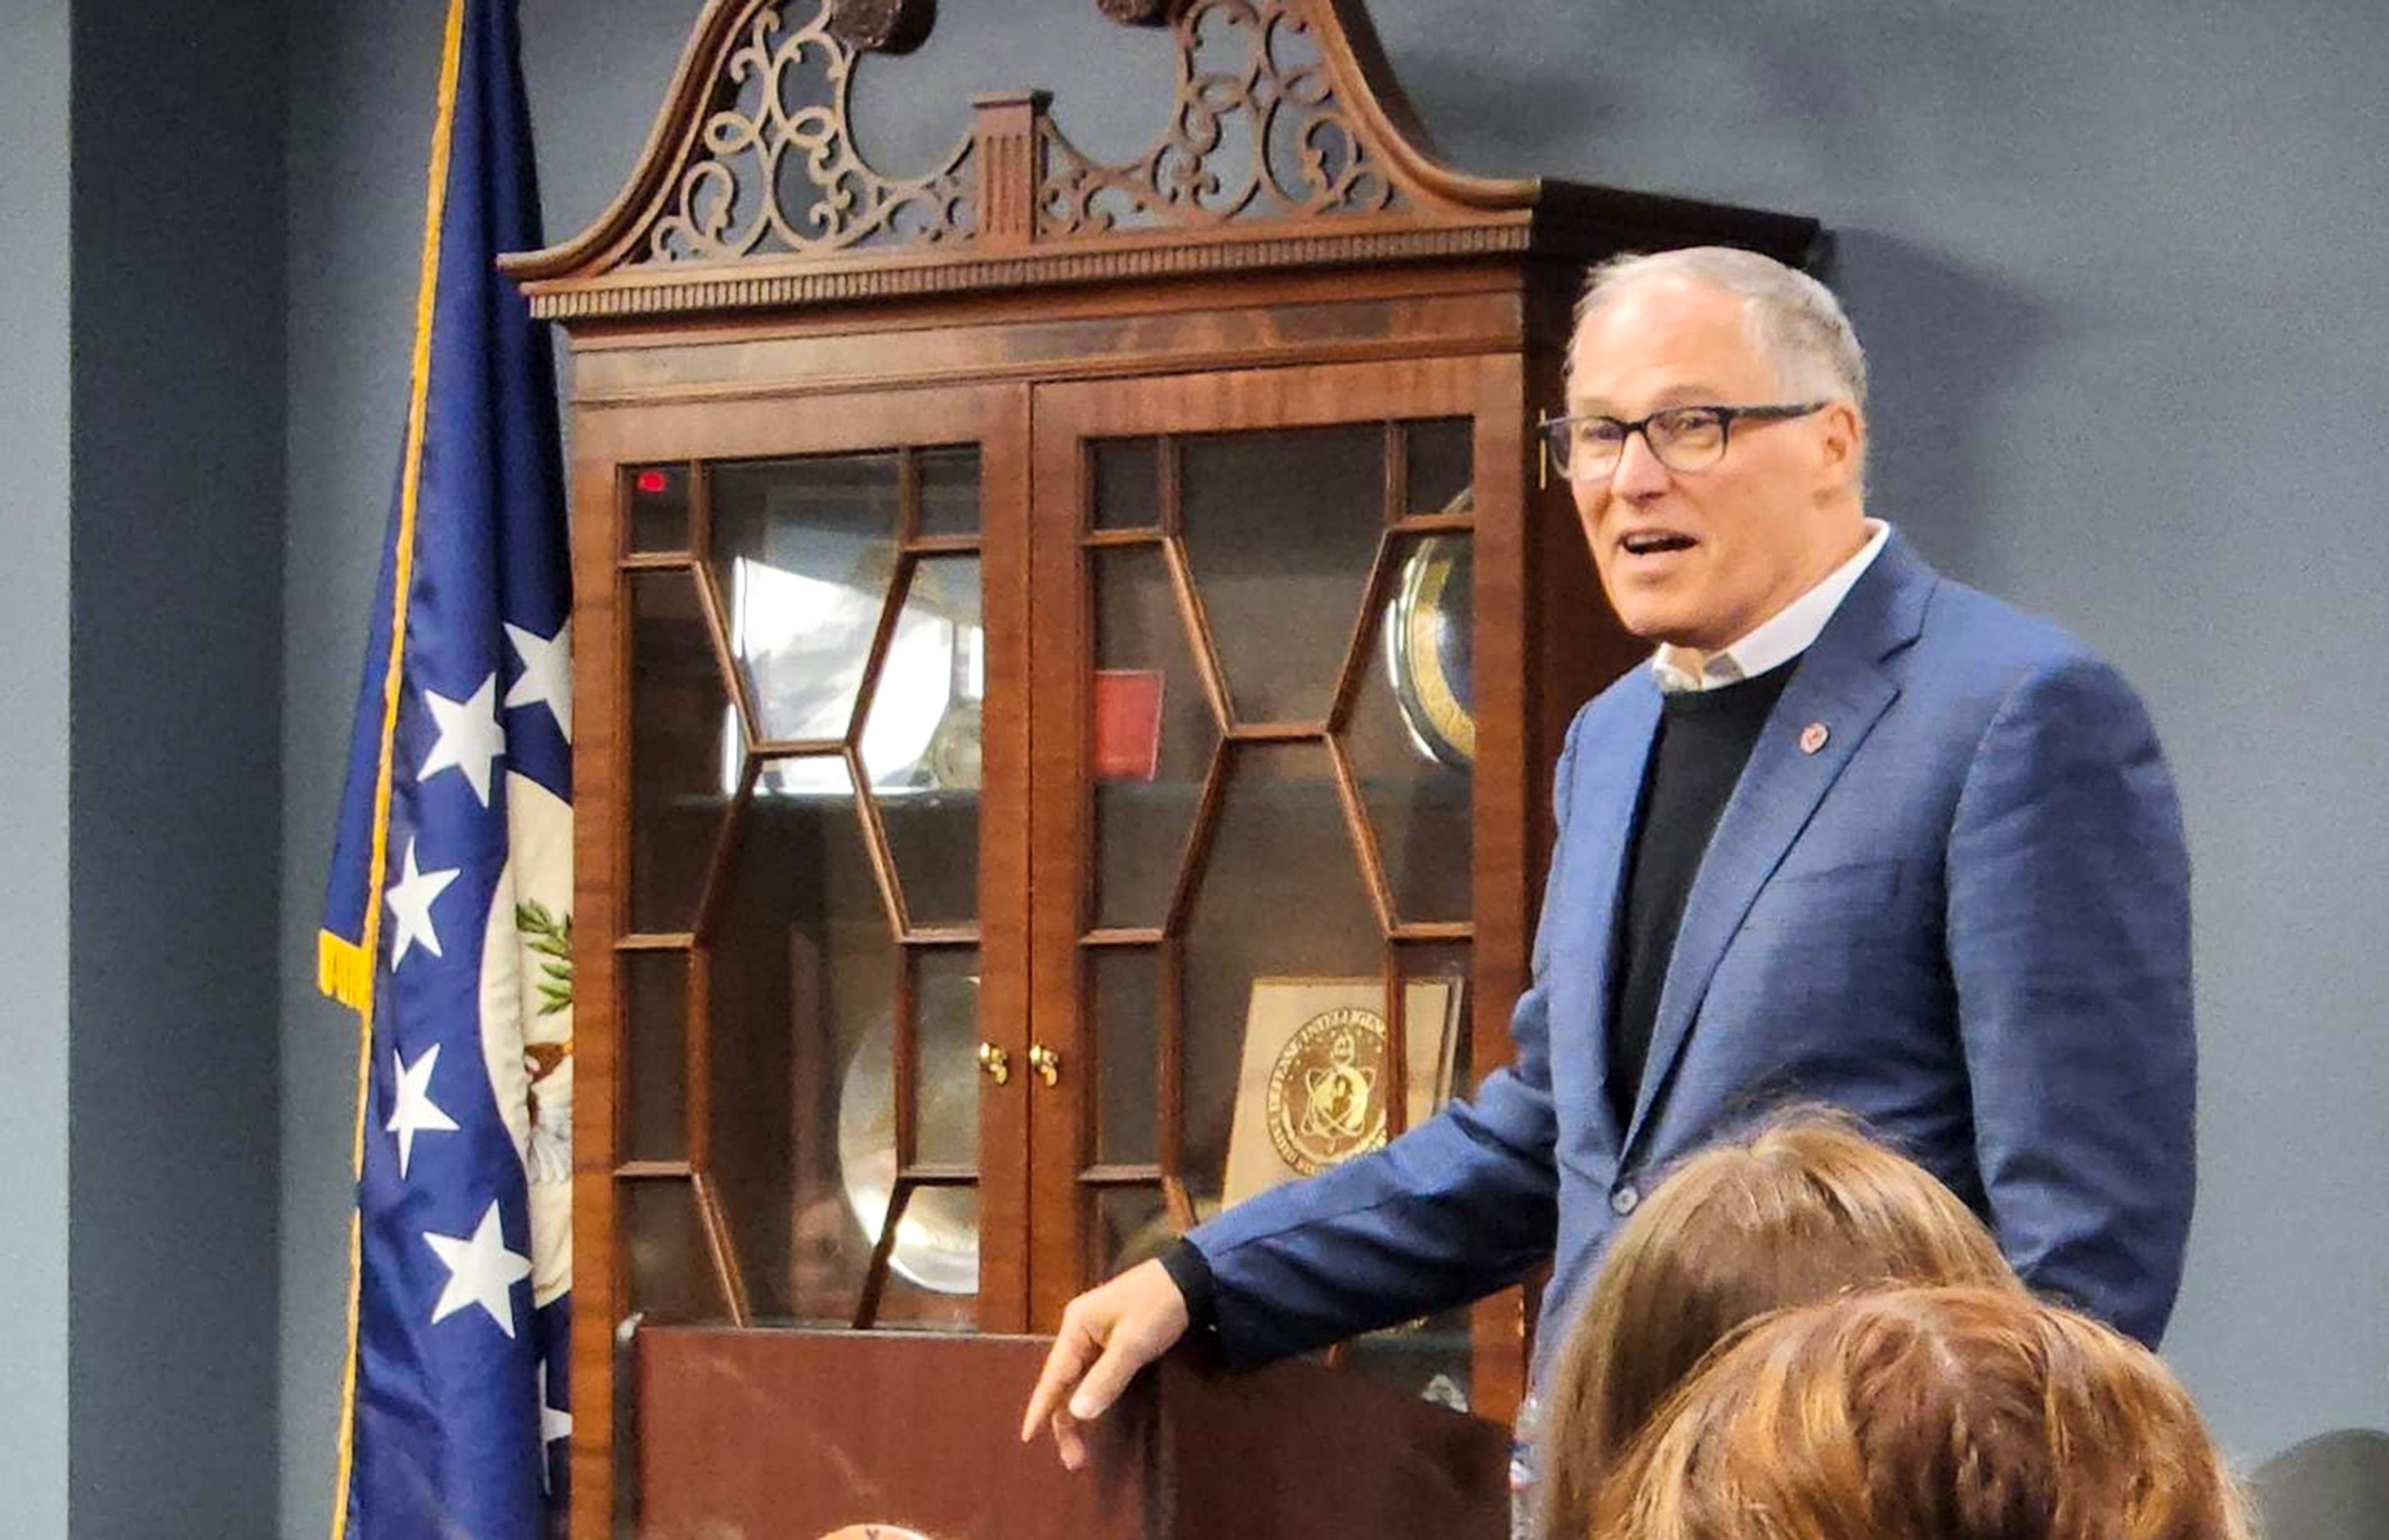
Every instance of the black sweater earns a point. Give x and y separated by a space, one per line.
1704 740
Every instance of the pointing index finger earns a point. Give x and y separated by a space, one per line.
1064 1364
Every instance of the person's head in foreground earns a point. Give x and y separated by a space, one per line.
1804 1208
1925 1414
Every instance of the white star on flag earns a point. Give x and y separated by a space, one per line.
409 899
415 1112
480 1271
547 673
470 737
552 1425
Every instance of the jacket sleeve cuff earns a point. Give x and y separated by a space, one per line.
1187 1268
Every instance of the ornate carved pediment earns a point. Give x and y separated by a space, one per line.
1259 127
774 168
1281 140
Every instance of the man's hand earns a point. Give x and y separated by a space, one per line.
1118 1329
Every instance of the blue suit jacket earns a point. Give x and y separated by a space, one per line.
1964 917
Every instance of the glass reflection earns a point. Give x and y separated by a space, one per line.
937 1240
804 643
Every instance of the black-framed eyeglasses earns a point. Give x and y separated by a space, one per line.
1684 439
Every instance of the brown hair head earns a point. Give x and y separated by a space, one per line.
1799 1210
1961 1414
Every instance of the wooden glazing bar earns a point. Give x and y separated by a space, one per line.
656 941
717 627
1277 733
796 748
875 662
723 1250
1435 930
1357 647
941 935
700 512
612 712
1122 936
1397 1046
874 1278
725 854
875 844
904 1057
1364 840
1168 464
652 1171
1180 1207
937 1175
1121 1174
696 1057
1170 1133
1198 630
1198 839
908 496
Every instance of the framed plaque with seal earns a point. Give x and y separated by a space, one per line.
1313 1089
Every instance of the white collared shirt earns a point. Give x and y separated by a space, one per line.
1777 640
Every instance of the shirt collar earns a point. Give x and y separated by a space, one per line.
1776 640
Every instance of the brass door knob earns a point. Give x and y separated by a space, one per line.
1045 1061
997 1063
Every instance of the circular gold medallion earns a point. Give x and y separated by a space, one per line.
1326 1092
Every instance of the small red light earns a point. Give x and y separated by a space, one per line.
651 481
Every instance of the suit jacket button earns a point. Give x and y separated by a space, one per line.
1623 1200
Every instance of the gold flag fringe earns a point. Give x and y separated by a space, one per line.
343 969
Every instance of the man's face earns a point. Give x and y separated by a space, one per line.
1700 559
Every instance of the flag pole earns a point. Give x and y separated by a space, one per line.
348 973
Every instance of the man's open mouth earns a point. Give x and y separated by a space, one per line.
1647 542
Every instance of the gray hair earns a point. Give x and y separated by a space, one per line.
1793 318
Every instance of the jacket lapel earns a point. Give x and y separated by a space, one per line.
1606 804
1841 686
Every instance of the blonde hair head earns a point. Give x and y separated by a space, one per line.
1803 1208
1961 1414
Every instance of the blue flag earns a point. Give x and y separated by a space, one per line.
448 921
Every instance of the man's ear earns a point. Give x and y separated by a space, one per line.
1842 447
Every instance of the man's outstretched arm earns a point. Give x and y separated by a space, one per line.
1451 1211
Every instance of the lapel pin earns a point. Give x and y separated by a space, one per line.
1813 736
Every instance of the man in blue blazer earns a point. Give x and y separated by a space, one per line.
1858 834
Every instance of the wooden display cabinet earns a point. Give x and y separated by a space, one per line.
1017 609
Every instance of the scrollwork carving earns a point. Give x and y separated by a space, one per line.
1257 131
776 169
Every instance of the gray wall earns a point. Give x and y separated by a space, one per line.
140 800
2106 258
34 694
177 315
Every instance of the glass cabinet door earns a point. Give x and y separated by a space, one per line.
1256 744
818 915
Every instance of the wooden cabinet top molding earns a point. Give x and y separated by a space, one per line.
1282 143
